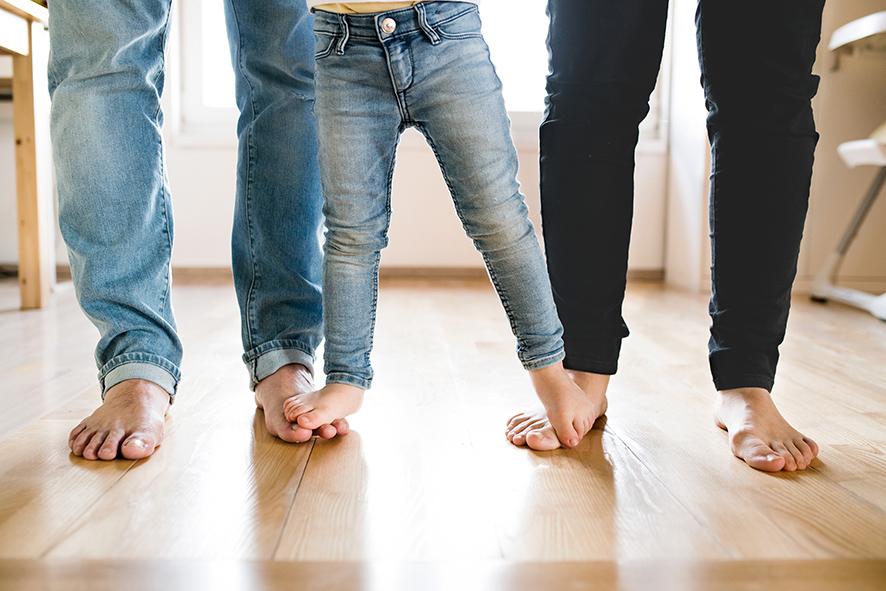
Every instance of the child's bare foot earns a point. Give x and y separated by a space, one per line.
572 401
331 403
272 392
758 434
130 422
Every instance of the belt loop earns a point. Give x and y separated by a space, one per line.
423 23
346 35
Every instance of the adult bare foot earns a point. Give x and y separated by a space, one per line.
333 402
130 422
758 434
572 402
273 391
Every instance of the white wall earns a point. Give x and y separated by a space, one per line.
425 231
8 232
850 103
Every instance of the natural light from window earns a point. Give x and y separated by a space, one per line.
514 29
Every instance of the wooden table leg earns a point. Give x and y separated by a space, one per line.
33 163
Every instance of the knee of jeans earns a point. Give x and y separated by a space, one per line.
785 107
267 82
599 102
354 241
490 235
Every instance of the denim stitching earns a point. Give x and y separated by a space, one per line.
165 197
502 294
248 318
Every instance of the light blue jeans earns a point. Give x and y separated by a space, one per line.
106 76
430 71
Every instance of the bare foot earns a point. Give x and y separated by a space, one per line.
572 402
758 434
287 382
332 402
130 422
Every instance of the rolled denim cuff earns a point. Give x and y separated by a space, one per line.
542 361
348 379
140 366
266 359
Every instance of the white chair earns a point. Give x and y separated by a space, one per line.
864 34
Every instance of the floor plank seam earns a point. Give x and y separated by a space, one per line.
292 502
71 528
703 526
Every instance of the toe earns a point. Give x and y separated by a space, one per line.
310 420
799 458
757 454
813 447
789 463
326 431
81 441
90 452
566 433
292 407
516 420
109 448
300 434
75 433
542 440
137 446
342 426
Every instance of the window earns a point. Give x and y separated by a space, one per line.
514 29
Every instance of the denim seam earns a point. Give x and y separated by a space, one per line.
165 200
348 379
374 310
449 19
247 181
502 293
278 345
140 358
543 361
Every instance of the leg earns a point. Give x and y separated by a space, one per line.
359 126
455 99
106 76
763 137
276 237
604 59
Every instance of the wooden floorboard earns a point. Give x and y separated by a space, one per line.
426 490
171 575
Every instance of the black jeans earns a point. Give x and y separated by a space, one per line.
756 60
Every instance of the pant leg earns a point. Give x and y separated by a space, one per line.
604 60
277 220
359 125
454 97
106 74
756 60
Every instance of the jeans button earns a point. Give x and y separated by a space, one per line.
388 25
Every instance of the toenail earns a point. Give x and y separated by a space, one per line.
136 443
573 442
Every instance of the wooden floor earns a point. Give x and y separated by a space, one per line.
426 493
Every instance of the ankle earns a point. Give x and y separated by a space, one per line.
744 395
588 381
138 389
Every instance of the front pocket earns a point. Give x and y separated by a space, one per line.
462 26
324 45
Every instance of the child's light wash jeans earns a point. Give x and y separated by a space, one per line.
427 67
